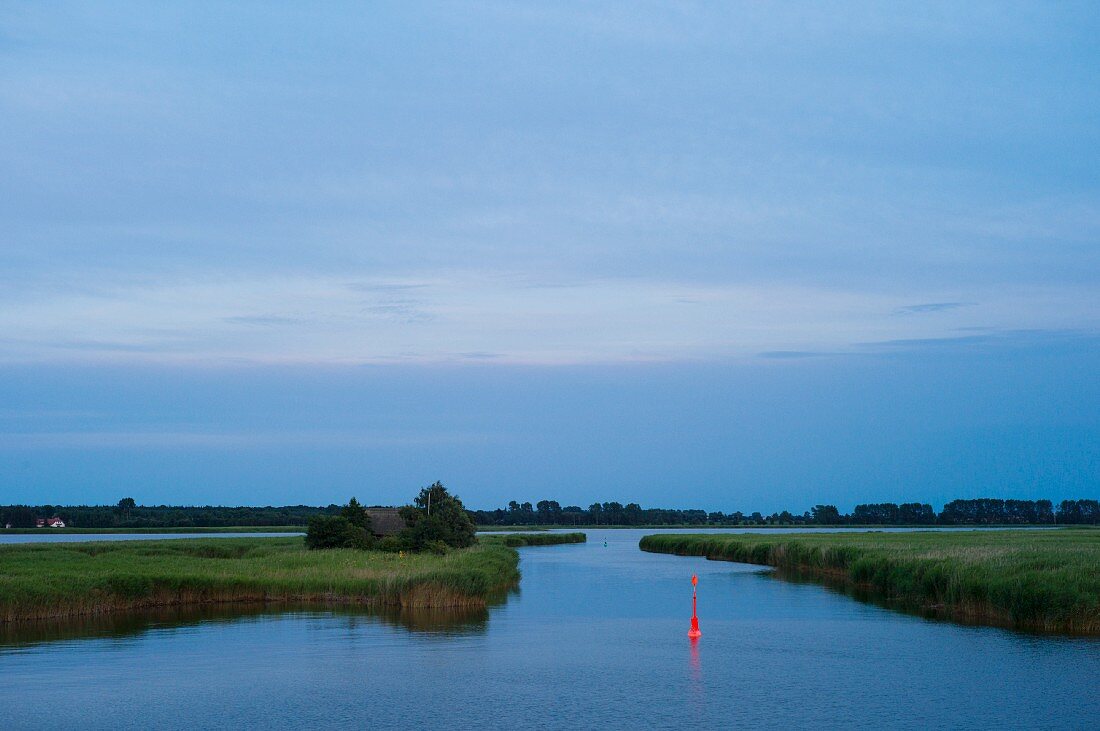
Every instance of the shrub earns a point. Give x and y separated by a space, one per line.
437 547
391 544
356 515
336 531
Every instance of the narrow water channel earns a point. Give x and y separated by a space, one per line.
596 637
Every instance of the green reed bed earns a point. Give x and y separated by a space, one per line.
1045 580
67 579
517 540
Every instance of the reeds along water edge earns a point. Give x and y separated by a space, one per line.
1045 580
67 579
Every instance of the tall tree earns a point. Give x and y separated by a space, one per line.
356 514
826 514
436 515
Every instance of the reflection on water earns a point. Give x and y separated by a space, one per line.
444 621
127 624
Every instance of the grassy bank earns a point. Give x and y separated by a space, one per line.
1040 580
517 540
40 581
155 531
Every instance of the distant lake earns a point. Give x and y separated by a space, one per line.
57 537
595 637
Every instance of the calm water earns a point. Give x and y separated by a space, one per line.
595 638
45 537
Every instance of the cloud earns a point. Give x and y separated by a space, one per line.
791 354
495 316
480 355
405 311
930 307
233 439
107 346
384 288
261 320
988 339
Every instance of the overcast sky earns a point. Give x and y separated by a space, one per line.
733 256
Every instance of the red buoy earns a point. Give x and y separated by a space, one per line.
694 631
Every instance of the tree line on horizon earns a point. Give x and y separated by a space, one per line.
127 514
981 511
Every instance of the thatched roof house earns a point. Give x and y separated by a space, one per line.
385 521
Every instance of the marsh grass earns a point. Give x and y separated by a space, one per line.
518 540
1047 580
39 581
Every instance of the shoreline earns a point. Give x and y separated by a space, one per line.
56 580
47 581
989 578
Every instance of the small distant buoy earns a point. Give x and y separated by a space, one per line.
694 632
605 544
